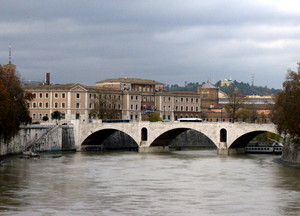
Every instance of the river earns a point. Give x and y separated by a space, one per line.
129 183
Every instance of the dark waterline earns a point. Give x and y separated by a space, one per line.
130 183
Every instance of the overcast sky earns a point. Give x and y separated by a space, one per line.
170 41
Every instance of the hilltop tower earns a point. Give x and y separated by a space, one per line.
9 67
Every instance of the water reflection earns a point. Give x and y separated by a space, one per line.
129 183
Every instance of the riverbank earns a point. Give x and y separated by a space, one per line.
287 164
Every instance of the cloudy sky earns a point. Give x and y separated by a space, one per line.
170 41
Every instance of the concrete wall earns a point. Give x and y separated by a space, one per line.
291 152
40 138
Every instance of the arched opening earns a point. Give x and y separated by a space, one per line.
144 134
253 137
223 135
109 140
182 138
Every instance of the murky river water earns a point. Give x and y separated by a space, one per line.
175 183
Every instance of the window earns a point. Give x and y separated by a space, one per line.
56 95
34 105
40 116
131 97
176 108
63 105
192 100
33 115
41 105
137 97
77 105
46 105
41 95
78 95
186 100
197 100
186 108
63 95
181 99
56 105
47 95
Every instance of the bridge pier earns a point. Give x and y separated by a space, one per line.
153 149
222 149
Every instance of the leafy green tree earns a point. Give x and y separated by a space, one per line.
56 115
154 117
45 118
13 103
286 112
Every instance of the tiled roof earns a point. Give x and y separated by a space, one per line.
68 86
131 80
208 85
51 87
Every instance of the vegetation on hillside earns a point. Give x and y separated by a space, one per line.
244 88
13 104
247 89
188 87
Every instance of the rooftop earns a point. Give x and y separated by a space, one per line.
130 80
208 85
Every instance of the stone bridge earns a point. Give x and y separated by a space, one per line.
229 138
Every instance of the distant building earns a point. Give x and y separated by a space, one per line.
226 82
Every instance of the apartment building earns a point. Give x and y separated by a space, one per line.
125 98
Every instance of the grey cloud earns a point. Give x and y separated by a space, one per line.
170 41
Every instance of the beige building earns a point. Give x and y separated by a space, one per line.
125 98
72 100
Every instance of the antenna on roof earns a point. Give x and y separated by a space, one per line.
9 54
252 79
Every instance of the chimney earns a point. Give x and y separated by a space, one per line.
47 78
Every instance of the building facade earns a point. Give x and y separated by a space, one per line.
125 98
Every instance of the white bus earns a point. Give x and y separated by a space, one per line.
189 120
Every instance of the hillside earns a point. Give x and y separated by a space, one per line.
247 89
244 88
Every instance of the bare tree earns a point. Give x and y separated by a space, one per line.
235 102
107 105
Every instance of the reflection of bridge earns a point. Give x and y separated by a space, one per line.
152 137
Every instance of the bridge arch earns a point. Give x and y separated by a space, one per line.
108 138
165 138
244 139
